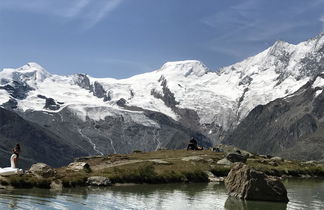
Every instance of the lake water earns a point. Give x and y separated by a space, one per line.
303 194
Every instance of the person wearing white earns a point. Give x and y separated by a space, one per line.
13 161
15 156
13 169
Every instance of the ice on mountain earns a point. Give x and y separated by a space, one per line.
185 68
318 83
223 98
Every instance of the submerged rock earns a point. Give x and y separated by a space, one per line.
43 170
238 204
246 183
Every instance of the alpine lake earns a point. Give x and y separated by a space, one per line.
302 193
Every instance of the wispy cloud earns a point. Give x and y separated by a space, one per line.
91 12
322 20
105 9
76 8
255 24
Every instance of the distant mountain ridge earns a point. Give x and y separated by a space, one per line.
159 109
38 144
291 127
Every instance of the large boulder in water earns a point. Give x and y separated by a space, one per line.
246 183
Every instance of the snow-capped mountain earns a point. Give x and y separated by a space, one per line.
183 95
291 127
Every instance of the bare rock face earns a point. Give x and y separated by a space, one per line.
43 170
51 104
246 183
98 181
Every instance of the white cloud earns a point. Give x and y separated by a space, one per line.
321 19
254 23
75 10
90 12
105 9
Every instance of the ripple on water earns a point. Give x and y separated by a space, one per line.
303 194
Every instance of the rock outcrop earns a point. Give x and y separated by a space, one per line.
246 183
42 170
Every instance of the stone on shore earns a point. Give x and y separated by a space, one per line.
246 183
56 185
235 157
42 170
192 158
160 162
98 181
213 178
277 158
79 166
224 161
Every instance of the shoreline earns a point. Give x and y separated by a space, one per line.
159 167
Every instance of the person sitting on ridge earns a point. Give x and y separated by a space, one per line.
15 156
193 145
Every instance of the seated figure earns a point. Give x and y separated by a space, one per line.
193 145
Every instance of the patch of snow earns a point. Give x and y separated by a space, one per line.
317 93
4 96
184 68
319 82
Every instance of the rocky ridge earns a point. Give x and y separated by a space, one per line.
291 127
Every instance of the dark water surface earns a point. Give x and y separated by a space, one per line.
303 194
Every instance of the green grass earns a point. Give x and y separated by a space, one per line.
137 167
291 168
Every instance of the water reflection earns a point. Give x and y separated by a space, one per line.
303 194
238 204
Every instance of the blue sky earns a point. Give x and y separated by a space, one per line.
121 38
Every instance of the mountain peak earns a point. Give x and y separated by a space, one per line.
185 68
30 73
280 47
